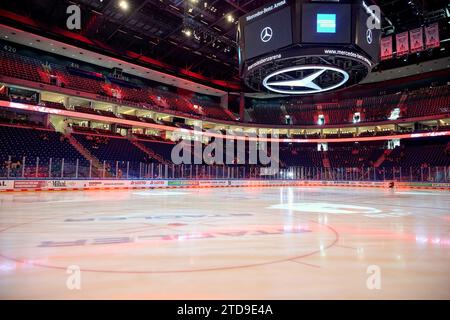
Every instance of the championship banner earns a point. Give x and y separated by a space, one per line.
432 36
402 43
416 38
386 48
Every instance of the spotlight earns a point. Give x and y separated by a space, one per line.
124 5
187 32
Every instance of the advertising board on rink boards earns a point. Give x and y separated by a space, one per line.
69 185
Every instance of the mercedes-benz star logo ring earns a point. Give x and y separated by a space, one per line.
266 34
305 84
369 36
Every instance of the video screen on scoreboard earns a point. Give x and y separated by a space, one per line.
268 33
326 23
368 39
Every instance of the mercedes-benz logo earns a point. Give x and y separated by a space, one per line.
266 34
306 85
369 36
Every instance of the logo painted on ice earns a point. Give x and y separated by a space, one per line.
331 208
336 208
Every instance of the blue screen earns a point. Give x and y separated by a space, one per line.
326 23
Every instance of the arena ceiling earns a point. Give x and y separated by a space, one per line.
195 35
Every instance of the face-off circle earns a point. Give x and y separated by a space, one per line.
131 247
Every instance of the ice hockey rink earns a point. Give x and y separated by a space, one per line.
235 243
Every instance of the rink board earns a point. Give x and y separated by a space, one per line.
69 185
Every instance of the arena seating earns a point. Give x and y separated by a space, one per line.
32 143
130 117
268 113
421 102
25 100
163 149
216 112
17 66
136 95
106 113
33 69
53 105
354 155
85 110
301 114
291 155
336 114
379 108
19 141
111 148
425 153
428 101
115 152
76 82
76 128
147 120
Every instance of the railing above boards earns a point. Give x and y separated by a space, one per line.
61 168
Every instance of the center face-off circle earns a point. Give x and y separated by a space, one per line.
155 244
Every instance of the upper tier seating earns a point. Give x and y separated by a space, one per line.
428 101
418 103
302 114
33 69
422 102
267 113
216 112
16 66
77 82
379 108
